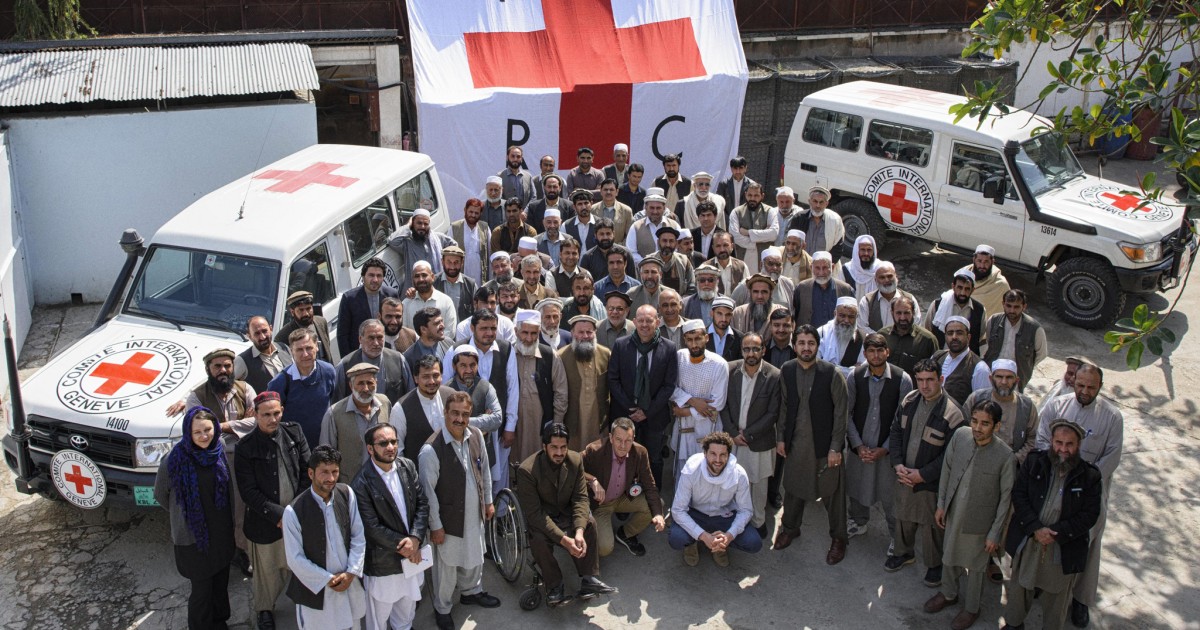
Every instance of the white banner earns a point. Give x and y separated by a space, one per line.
665 76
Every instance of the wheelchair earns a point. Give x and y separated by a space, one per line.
508 546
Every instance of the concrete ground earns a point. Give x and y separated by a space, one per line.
66 568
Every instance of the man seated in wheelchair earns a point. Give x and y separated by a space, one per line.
552 491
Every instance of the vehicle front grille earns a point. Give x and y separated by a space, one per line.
104 447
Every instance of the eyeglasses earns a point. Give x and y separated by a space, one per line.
752 349
706 279
383 443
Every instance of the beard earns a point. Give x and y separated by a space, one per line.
514 164
364 399
844 332
508 309
707 295
753 205
888 288
1004 392
419 235
723 255
551 197
451 273
667 252
605 243
866 262
752 360
583 350
672 174
961 300
423 287
263 345
980 274
758 312
502 278
221 384
468 381
526 349
822 280
651 285
696 354
774 275
817 212
902 327
1061 465
304 322
493 200
392 330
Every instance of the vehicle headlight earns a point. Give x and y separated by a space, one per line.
150 452
1142 252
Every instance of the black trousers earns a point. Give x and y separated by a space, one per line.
654 440
208 605
543 552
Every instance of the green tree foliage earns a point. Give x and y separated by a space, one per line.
1120 54
50 19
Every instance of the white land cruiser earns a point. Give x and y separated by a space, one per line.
94 424
895 161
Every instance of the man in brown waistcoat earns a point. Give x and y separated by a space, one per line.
922 427
348 419
812 435
456 475
586 365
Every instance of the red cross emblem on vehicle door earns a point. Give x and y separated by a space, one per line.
596 64
319 173
898 202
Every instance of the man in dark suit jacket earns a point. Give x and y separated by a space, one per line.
391 538
250 366
394 375
552 492
802 297
753 431
257 465
733 188
644 398
300 306
644 507
361 303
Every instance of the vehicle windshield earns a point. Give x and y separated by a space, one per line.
193 287
1047 162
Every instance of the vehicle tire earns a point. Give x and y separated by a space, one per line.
861 217
1085 292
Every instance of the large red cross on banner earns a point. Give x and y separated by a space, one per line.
319 173
77 477
1124 202
595 64
117 375
898 203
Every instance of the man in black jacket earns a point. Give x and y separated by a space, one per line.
269 465
1056 501
395 516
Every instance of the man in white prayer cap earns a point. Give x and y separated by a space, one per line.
417 241
875 308
542 385
699 395
549 242
958 300
990 283
493 201
797 263
701 191
617 170
841 340
785 204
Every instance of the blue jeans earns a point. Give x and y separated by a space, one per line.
748 541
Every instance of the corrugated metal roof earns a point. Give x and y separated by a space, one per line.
134 74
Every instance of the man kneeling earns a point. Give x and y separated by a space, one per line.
712 504
618 474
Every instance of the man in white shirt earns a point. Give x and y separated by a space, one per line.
425 295
712 504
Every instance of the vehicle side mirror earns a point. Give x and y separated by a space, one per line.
995 188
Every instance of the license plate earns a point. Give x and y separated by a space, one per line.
144 495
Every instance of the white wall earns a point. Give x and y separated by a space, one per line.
81 179
14 286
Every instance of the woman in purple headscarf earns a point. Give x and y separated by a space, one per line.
195 488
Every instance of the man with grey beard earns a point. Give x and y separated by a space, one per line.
651 271
875 308
841 341
772 267
348 419
752 317
502 272
699 304
1019 424
542 385
586 365
815 299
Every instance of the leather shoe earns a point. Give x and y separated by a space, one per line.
557 596
480 599
590 586
1080 616
266 620
837 552
938 603
762 531
444 622
963 620
783 538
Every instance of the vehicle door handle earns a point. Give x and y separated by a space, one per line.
952 200
804 166
1008 216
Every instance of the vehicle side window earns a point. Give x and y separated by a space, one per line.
417 192
971 167
901 143
833 129
368 231
312 272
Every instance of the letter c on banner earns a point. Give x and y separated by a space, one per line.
514 123
654 139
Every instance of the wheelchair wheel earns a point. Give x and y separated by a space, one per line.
531 598
507 537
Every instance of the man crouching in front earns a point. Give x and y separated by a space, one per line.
712 504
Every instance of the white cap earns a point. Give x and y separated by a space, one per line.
986 249
495 179
769 253
885 264
621 146
722 300
466 348
797 234
421 212
822 256
847 300
526 316
655 194
785 191
702 175
527 242
1004 364
497 255
957 318
552 212
692 324
423 263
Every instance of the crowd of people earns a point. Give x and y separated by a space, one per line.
579 338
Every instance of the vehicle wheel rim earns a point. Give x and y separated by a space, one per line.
854 226
1084 296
